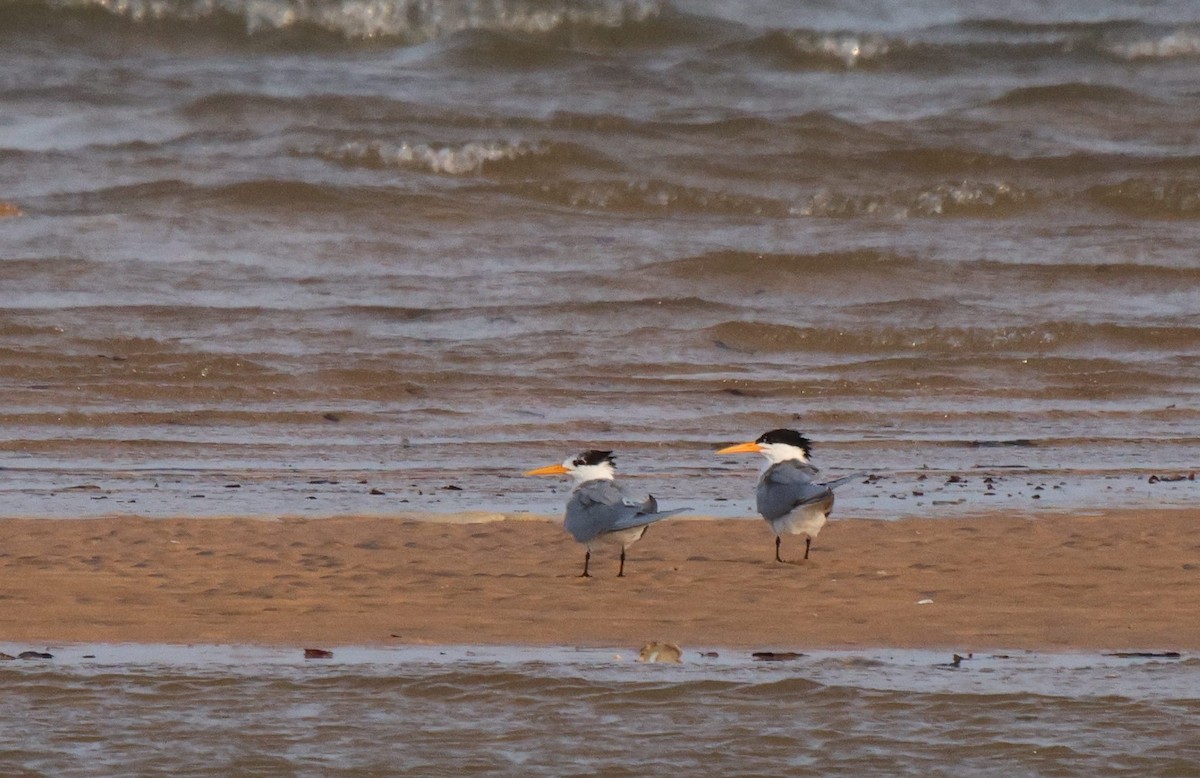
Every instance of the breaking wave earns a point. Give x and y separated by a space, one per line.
966 198
465 159
410 21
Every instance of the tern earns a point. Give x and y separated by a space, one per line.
599 508
790 497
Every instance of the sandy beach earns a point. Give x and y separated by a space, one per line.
1052 582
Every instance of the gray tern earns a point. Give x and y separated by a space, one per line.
599 509
790 496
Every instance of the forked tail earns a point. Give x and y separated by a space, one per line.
646 518
835 483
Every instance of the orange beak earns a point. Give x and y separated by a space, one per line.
742 448
549 470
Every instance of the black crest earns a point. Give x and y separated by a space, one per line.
789 437
594 457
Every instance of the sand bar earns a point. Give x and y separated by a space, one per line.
1123 580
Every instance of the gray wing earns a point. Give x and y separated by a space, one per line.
602 506
835 483
788 485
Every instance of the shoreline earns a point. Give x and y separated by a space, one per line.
1054 582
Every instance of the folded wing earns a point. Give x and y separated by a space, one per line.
597 507
786 486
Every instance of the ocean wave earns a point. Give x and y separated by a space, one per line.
1121 39
542 173
640 196
465 159
1047 337
815 49
760 336
949 199
727 268
1151 197
106 199
845 50
1130 275
534 32
134 366
1178 44
327 112
251 194
965 198
722 266
951 160
994 26
971 43
209 418
918 51
1058 95
408 21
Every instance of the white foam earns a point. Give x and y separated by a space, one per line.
408 19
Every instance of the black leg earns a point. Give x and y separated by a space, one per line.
777 541
621 572
807 543
586 558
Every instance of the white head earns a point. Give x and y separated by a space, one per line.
780 445
591 465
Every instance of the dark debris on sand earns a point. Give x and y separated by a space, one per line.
775 656
27 655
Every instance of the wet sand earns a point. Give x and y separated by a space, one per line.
1123 580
